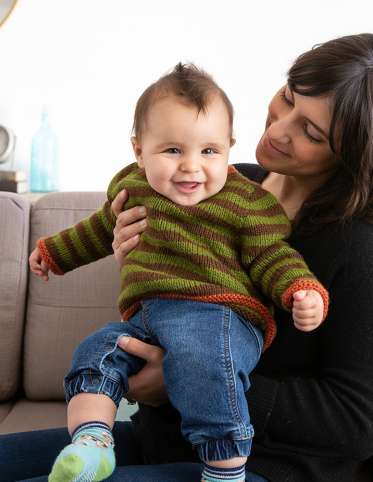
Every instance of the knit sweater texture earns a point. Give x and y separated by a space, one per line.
311 394
228 249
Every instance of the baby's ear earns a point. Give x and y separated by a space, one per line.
136 146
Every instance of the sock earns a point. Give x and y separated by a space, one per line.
219 474
89 458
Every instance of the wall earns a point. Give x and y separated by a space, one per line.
89 60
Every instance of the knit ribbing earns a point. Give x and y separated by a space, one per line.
227 249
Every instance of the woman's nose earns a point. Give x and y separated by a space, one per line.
279 129
278 132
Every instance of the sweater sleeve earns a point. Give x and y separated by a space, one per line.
275 268
329 412
88 240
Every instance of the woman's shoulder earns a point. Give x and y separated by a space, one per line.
337 247
359 237
252 171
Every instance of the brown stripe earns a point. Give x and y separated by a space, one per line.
99 228
274 249
142 191
55 255
221 262
257 191
77 259
87 242
192 215
117 181
174 271
243 212
197 228
272 282
265 230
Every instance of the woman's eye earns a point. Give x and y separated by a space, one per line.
313 139
172 150
284 98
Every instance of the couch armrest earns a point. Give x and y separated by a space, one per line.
14 238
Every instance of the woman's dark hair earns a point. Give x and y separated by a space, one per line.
342 68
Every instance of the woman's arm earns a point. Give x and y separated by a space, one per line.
326 408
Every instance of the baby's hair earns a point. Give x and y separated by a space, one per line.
187 81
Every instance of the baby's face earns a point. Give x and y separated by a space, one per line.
185 154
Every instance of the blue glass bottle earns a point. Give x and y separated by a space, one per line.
44 158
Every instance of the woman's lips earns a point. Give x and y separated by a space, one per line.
271 148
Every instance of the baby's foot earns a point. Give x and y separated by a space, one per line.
89 458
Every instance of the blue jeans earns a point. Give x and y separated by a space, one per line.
29 456
210 352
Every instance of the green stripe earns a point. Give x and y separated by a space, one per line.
107 223
263 240
195 222
61 249
138 289
241 184
213 276
277 220
79 247
243 203
191 247
262 278
94 239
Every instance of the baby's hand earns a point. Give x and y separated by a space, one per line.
38 265
308 309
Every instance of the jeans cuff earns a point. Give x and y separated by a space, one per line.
224 449
88 382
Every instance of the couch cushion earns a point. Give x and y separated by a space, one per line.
5 408
14 233
25 416
67 308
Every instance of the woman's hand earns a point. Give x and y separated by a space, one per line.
128 227
147 386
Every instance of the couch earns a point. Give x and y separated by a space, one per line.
41 323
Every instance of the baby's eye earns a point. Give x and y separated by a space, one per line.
209 150
172 150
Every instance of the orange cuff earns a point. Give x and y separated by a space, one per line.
306 284
47 257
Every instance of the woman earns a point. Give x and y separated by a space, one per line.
311 399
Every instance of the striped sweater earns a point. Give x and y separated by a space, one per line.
228 249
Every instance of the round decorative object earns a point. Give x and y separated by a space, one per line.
7 145
6 7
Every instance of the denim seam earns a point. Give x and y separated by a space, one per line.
79 385
145 320
258 342
108 372
232 388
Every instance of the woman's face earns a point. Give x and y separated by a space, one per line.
296 137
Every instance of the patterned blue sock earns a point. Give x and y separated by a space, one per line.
219 474
89 458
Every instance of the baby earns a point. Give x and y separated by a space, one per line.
200 283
